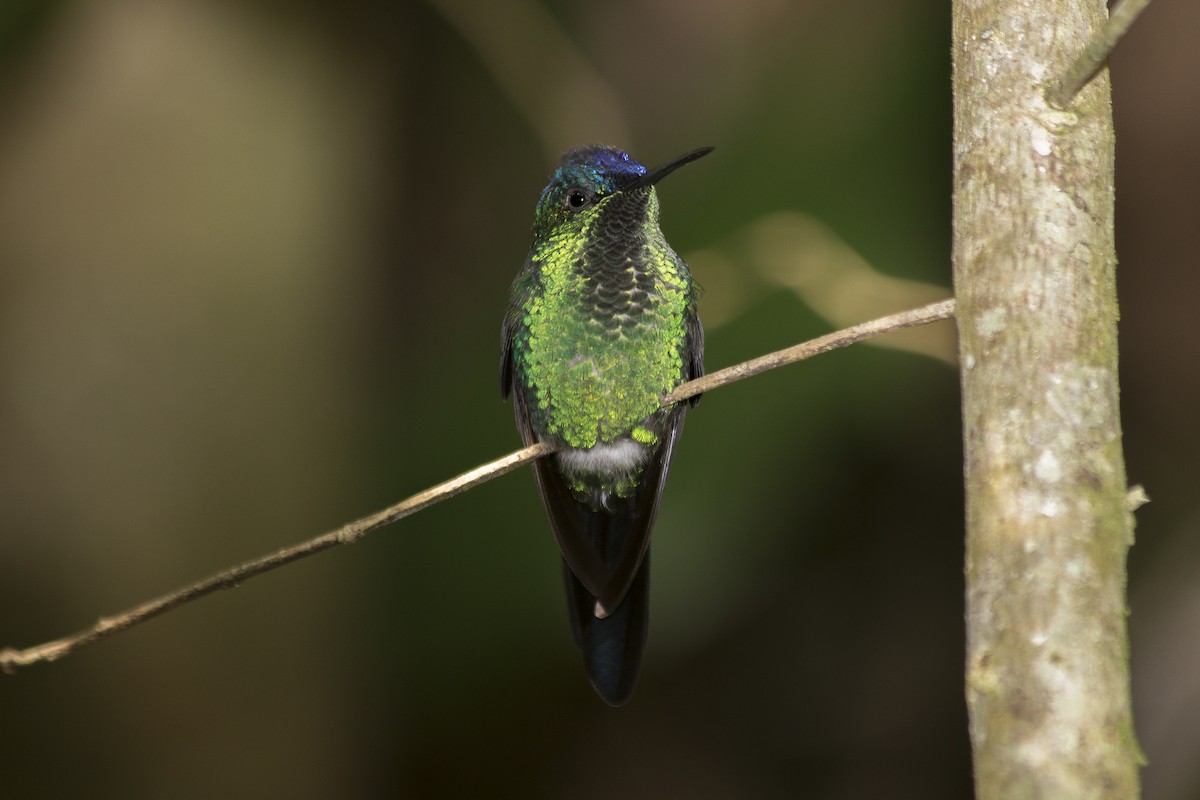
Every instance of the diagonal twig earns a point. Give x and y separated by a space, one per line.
1089 62
943 309
12 658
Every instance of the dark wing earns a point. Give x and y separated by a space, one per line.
506 362
602 548
694 347
523 286
625 538
569 519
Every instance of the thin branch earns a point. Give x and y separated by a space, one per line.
11 659
943 309
1089 62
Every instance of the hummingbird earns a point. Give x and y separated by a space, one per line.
601 323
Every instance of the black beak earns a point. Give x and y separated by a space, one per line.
658 173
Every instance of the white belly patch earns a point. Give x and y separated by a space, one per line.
623 455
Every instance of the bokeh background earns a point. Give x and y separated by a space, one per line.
253 260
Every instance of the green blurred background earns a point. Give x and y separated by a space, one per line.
253 259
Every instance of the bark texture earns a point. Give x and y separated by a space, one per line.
1047 525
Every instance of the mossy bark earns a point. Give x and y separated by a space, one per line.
1047 525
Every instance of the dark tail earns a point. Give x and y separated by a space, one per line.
606 554
612 646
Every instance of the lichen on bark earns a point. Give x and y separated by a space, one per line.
1047 526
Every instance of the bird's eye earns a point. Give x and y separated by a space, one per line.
577 198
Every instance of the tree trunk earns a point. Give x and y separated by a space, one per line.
1048 528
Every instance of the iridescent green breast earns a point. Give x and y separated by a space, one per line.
603 326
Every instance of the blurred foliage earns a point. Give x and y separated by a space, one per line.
253 258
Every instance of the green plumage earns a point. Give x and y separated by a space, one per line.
603 327
601 324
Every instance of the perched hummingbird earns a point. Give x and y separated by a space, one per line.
601 324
